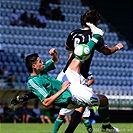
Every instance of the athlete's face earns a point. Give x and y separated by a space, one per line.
38 66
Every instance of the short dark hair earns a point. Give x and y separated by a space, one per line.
29 60
91 16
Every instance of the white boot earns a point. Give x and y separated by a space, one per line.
110 129
94 29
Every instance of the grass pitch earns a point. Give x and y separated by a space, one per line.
47 128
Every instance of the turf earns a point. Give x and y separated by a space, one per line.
46 128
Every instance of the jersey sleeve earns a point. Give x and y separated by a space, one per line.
90 75
37 89
70 41
48 66
100 45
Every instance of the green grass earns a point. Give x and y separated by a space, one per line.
46 128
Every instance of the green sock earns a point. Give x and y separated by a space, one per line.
88 125
58 122
97 36
93 41
104 114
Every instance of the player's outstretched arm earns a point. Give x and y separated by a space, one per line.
110 50
48 101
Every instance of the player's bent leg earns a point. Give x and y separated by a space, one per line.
103 109
86 121
58 122
87 124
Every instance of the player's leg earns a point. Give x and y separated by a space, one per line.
103 110
25 97
75 119
47 119
97 34
78 97
86 121
102 102
60 119
58 122
92 99
104 114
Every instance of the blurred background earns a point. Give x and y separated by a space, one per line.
23 32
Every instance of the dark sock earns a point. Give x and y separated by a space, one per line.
27 96
75 120
97 36
93 41
104 114
31 95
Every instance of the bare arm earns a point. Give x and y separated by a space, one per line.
110 50
67 48
48 101
90 81
70 54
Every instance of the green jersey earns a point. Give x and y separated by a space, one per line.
45 86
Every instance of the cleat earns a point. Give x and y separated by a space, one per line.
15 100
18 99
94 29
109 129
90 129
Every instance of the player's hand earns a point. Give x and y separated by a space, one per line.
119 46
55 56
52 51
65 85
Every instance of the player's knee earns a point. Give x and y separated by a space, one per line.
103 100
61 116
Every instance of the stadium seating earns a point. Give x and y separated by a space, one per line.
113 74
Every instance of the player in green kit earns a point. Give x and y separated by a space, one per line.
43 85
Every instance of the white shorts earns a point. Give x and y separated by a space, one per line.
60 76
86 112
78 78
74 77
64 112
81 94
87 92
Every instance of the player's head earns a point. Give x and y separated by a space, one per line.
91 16
33 61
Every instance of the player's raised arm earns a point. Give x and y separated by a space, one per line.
55 56
110 50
